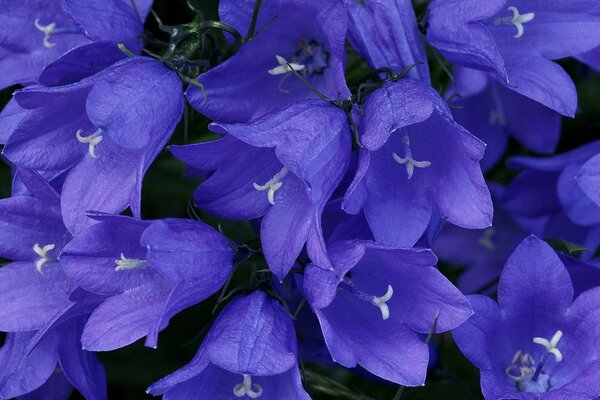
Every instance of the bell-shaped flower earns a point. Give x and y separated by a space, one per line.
516 41
249 352
386 34
307 34
282 167
536 342
51 368
375 303
41 31
416 160
149 270
550 196
492 112
105 130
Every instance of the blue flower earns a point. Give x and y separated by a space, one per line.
250 351
537 342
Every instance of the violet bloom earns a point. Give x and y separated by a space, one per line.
537 342
249 352
549 199
376 301
488 248
37 302
282 167
416 161
386 34
43 30
493 113
516 41
309 34
149 270
51 368
105 130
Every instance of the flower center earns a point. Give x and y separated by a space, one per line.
517 20
247 388
529 376
497 117
310 59
130 263
272 185
407 160
44 257
93 140
380 302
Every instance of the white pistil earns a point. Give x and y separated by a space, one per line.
93 140
410 162
47 31
44 257
381 302
284 68
517 20
129 263
550 345
272 185
246 388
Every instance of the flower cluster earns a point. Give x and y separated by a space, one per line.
326 131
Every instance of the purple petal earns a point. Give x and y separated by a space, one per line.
30 299
185 249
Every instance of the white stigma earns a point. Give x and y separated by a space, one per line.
517 20
381 302
272 185
550 345
410 162
93 140
284 68
129 263
47 31
44 257
246 388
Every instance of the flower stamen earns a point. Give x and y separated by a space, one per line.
247 388
272 185
44 257
130 263
285 67
410 162
517 20
47 31
93 140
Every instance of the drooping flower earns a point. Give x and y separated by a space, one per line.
105 130
249 352
516 42
549 200
149 271
309 34
282 167
492 112
416 160
41 31
374 303
37 303
386 34
537 342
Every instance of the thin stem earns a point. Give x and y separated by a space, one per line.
254 20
